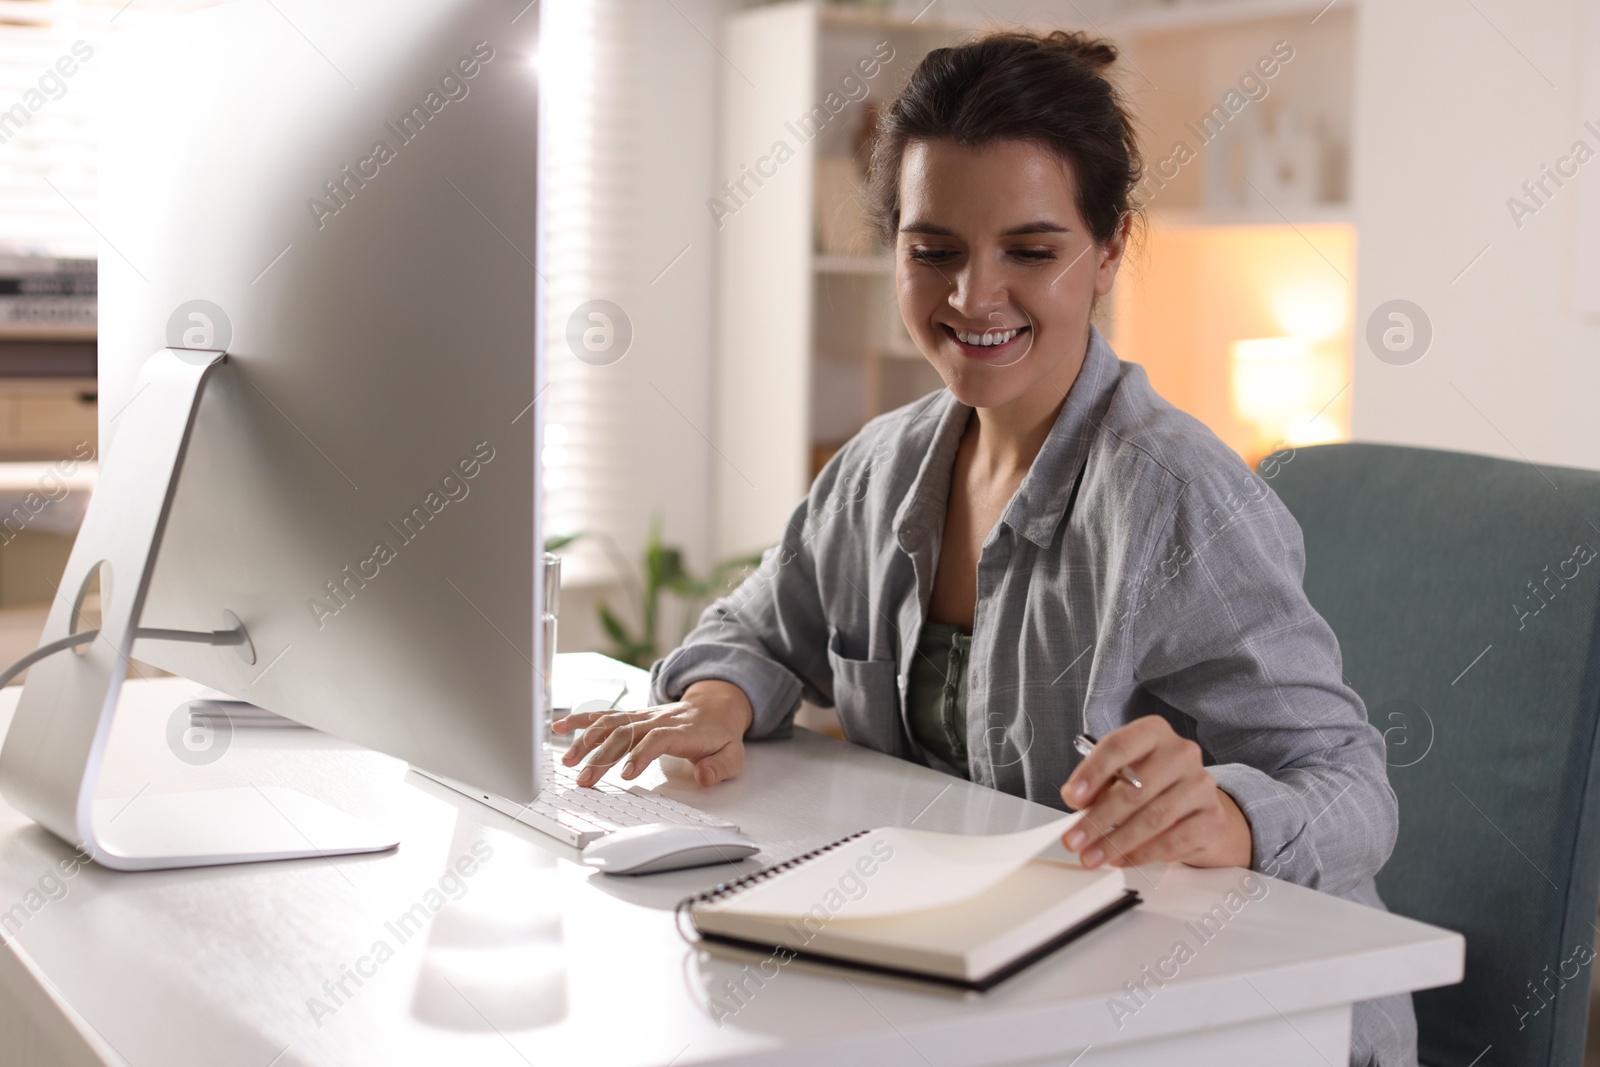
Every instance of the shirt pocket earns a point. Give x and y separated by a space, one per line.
866 693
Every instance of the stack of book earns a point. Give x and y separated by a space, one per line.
214 708
47 297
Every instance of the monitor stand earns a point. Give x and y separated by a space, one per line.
57 741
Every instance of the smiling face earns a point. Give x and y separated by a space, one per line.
991 248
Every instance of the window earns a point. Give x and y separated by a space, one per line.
48 86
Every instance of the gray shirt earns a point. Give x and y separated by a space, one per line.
1140 569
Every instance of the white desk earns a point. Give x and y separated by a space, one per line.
542 961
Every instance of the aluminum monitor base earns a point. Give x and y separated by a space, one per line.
56 745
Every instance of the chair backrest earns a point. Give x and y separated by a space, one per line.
1465 592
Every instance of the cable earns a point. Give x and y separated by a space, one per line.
83 637
70 641
199 637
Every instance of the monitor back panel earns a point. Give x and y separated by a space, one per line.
344 196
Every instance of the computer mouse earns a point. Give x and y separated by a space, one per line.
664 847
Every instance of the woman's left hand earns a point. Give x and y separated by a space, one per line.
1180 815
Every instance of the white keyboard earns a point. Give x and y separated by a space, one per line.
578 815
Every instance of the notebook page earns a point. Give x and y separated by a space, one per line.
893 870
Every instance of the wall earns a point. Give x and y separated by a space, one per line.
1454 111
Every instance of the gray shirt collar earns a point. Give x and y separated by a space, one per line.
1036 510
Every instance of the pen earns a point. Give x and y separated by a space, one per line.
1084 743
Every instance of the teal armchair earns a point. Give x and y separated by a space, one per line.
1465 592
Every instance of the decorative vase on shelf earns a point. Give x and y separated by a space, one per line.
1285 164
1226 161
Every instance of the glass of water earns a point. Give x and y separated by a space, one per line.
547 621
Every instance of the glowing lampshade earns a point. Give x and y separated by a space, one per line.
1316 310
1274 379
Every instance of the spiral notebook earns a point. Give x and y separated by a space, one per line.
967 910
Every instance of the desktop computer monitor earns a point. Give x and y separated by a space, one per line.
341 197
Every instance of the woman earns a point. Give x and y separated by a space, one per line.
1045 543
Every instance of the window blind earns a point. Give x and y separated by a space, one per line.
629 96
48 87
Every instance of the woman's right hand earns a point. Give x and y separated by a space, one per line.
706 728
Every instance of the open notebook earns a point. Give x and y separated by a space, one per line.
969 910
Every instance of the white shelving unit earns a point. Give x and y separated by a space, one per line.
1248 228
1166 15
809 342
1193 72
1299 215
852 263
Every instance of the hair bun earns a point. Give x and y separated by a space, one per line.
1097 52
1048 89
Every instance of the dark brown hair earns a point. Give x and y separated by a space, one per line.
1047 89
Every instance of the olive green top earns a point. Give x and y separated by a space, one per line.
936 694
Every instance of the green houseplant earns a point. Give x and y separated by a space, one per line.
662 573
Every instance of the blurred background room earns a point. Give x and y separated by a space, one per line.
1366 220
